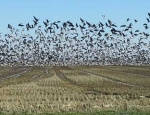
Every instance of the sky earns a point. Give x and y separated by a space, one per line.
22 11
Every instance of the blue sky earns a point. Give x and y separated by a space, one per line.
22 11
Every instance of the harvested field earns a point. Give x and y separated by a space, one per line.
74 89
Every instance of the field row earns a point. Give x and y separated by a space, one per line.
62 89
120 76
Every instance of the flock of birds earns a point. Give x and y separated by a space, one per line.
66 43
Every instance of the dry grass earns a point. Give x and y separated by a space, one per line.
39 90
118 74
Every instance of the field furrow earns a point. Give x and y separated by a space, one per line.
75 89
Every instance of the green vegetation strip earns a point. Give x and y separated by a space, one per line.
88 113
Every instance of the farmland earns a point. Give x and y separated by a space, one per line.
74 89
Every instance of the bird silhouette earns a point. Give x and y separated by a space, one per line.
36 19
20 24
9 26
128 19
149 14
148 20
